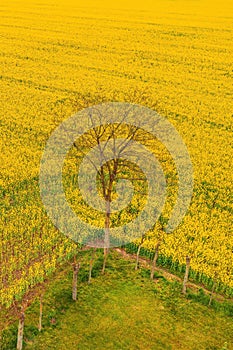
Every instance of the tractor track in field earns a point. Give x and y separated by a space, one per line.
170 276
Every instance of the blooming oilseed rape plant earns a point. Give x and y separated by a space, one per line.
57 58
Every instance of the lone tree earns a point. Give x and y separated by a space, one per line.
113 170
118 184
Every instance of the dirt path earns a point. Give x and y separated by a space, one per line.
168 275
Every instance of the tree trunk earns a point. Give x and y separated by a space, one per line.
75 279
137 257
20 331
212 293
154 261
138 252
40 316
105 259
186 275
91 264
106 235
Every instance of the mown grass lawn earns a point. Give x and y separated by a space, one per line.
122 310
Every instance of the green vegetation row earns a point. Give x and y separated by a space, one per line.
179 269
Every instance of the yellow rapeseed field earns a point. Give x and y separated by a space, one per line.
58 57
